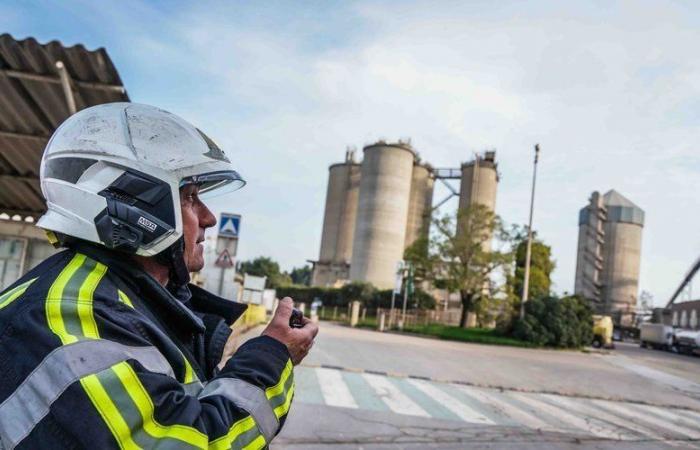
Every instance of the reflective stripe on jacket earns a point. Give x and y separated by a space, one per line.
93 358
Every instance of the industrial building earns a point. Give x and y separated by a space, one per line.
609 254
377 208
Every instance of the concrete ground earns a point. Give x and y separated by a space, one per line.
362 389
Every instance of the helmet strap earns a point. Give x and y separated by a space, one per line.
174 258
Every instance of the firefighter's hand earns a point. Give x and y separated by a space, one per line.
297 340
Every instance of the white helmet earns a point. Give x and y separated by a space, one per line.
111 175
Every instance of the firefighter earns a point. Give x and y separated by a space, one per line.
105 344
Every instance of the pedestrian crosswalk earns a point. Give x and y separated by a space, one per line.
547 412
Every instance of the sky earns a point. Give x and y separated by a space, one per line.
609 89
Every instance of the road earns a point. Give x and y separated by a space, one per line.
362 389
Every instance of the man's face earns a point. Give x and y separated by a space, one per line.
196 217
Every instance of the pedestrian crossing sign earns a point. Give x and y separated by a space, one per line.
229 225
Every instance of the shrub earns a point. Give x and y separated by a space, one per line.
556 322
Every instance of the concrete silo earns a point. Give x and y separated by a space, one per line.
338 223
609 255
420 203
380 228
479 182
622 254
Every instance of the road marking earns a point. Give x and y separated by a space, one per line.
507 409
679 419
307 387
598 413
635 411
657 375
390 394
334 389
463 411
363 393
568 418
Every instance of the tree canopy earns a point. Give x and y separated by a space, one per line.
264 266
460 256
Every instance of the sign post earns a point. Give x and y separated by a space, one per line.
226 246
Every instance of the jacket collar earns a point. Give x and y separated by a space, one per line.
145 286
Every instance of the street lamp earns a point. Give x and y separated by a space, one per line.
526 277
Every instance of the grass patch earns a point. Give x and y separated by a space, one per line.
474 335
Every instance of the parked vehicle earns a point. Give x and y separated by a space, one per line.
656 335
688 341
603 332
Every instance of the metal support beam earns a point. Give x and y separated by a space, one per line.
57 80
4 176
67 88
14 135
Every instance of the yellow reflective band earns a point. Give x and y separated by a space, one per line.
143 402
54 297
284 407
277 389
257 444
237 429
189 372
124 298
14 294
109 412
85 299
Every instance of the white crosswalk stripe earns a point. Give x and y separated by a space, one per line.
507 409
593 427
635 412
548 412
390 394
591 411
462 411
334 390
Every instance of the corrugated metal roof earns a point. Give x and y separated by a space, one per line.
33 105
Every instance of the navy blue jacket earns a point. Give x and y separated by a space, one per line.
94 353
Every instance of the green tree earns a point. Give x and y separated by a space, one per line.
458 256
565 322
301 275
264 266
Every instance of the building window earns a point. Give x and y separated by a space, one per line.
675 318
693 319
684 319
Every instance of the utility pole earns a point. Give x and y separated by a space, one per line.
526 279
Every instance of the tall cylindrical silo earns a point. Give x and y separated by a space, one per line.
420 203
338 223
622 255
382 210
479 182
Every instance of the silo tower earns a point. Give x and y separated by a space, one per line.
338 222
420 203
380 227
479 181
622 253
609 254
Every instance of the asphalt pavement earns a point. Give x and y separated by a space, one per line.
363 389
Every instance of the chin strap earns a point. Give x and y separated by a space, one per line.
174 258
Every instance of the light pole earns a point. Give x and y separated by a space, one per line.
526 277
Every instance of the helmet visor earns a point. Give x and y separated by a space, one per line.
215 184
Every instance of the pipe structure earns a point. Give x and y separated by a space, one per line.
65 84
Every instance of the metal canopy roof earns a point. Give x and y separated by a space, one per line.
33 103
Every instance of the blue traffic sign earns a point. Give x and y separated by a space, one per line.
229 225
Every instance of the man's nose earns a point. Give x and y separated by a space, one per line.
207 219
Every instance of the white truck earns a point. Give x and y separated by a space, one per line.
656 335
688 341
